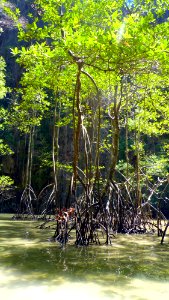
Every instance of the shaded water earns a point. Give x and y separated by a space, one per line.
31 267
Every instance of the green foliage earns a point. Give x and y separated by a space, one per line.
4 148
155 166
3 89
123 54
122 167
5 183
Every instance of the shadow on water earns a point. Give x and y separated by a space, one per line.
27 257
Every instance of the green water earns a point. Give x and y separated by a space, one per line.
31 267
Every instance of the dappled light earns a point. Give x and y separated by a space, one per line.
84 149
131 268
136 290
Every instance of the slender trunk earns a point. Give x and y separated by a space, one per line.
77 120
86 158
28 200
55 149
98 150
88 151
126 142
30 156
137 170
115 146
115 136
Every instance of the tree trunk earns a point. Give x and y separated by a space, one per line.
137 170
55 148
30 156
115 134
77 121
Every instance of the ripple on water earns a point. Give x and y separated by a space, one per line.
135 267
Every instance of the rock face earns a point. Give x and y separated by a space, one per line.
8 38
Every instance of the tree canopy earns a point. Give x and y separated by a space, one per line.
92 101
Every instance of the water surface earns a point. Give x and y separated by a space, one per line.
134 267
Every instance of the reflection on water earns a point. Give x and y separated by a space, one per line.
134 267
